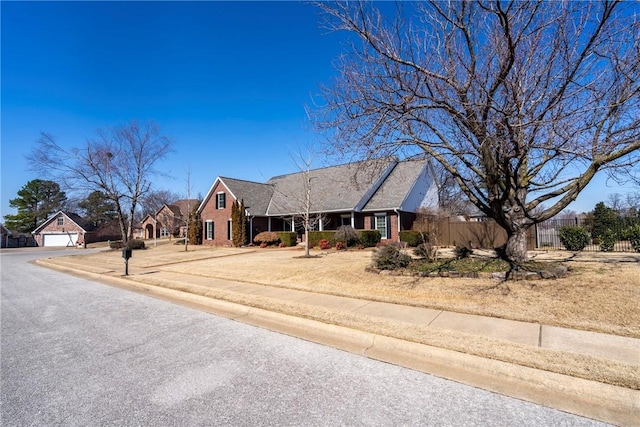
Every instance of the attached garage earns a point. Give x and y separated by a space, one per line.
66 239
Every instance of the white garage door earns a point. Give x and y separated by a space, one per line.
67 239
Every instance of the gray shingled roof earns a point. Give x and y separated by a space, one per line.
336 188
394 190
256 196
181 208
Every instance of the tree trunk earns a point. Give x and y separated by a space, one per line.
516 249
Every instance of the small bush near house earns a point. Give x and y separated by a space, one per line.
411 237
573 238
316 236
131 244
324 244
632 234
135 244
389 257
340 246
267 238
369 238
462 252
347 235
608 240
288 238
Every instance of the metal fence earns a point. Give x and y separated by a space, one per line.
547 233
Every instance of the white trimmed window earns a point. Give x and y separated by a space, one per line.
229 230
209 230
60 221
220 201
381 225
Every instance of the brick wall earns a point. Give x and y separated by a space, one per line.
219 217
68 226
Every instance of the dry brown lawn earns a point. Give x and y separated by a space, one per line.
601 294
596 296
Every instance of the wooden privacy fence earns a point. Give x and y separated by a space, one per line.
489 235
474 234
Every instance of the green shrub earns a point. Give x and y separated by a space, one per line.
632 234
462 251
316 236
347 235
288 238
115 244
267 238
135 244
369 238
389 257
608 239
411 237
574 238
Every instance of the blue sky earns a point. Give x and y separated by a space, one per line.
228 81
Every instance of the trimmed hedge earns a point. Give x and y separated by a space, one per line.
574 238
411 237
267 238
316 236
369 238
288 238
131 244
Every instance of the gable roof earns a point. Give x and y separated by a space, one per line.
335 188
75 218
381 184
396 190
180 208
256 195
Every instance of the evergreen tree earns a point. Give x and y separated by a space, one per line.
238 224
35 202
604 218
99 210
195 226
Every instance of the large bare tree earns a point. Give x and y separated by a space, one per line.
523 102
118 161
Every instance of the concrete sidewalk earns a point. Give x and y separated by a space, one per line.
605 402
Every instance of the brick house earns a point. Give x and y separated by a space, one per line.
169 221
382 194
64 229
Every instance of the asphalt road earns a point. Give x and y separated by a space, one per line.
78 353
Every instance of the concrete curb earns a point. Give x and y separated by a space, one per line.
590 399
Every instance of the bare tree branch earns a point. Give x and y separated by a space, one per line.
523 103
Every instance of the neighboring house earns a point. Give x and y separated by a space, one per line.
381 195
64 229
169 220
5 234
